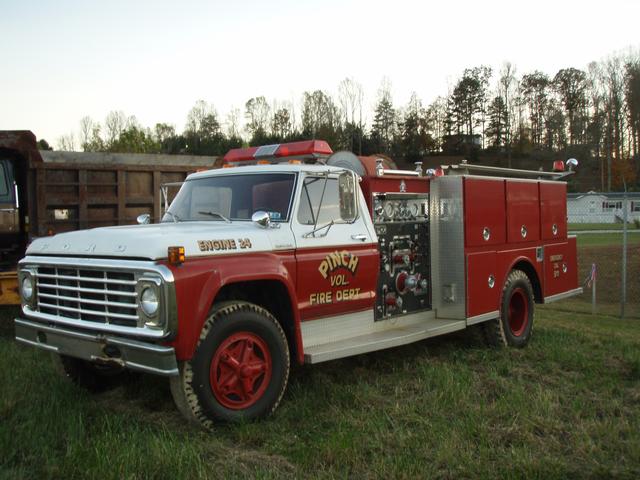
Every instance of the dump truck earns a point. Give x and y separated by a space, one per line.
45 192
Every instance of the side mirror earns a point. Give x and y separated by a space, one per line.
144 219
261 218
348 202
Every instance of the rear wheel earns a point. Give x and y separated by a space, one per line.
514 326
239 370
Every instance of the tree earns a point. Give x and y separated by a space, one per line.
384 126
435 118
67 142
351 97
320 117
86 131
415 139
506 85
281 127
43 145
257 114
570 83
114 123
632 97
535 93
497 121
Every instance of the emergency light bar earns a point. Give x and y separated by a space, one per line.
305 150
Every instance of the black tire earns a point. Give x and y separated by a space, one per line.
239 370
93 377
515 324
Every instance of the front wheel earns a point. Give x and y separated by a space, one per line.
515 323
239 370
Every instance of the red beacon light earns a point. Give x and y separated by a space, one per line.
308 151
558 166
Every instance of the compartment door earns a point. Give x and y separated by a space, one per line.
484 212
483 289
553 210
560 267
523 211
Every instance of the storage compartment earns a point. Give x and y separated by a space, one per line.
560 267
484 212
483 283
553 210
523 211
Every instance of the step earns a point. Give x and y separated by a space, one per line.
392 337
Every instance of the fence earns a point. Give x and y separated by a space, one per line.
607 226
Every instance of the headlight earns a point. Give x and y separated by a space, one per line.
149 301
27 284
27 288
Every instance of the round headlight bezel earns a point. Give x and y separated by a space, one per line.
27 288
27 285
149 301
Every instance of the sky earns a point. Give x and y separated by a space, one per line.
62 60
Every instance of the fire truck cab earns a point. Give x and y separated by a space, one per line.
296 253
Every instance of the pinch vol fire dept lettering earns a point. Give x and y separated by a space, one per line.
327 269
337 260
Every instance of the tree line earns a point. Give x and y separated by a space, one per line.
592 114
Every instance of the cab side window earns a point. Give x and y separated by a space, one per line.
326 207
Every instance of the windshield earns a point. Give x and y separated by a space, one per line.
233 197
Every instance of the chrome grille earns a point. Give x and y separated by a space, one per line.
91 295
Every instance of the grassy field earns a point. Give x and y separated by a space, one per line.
566 406
575 227
609 239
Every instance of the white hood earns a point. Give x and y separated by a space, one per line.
151 241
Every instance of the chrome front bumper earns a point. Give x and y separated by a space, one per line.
99 348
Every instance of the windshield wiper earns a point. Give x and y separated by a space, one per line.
215 214
175 217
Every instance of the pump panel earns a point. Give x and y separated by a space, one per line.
402 225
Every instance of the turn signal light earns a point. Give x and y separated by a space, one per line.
175 255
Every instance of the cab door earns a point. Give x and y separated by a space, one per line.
336 247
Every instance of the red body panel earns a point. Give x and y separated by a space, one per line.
484 207
198 281
523 211
553 210
505 206
327 286
558 258
482 298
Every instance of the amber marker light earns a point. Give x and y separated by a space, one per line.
175 255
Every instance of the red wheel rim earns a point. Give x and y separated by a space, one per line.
240 370
518 312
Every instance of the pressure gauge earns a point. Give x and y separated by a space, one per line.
389 210
415 209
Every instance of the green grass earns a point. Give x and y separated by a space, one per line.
567 406
597 239
575 227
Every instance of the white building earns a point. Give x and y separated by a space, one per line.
595 207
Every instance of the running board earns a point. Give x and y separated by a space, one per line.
393 337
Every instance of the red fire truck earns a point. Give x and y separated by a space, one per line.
297 254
